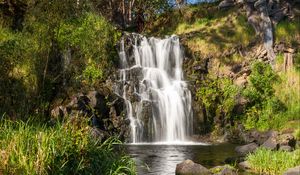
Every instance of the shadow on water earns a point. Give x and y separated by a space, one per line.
162 159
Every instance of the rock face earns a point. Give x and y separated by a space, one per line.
293 171
188 167
262 15
271 144
245 149
105 110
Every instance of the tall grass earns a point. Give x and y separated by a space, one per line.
265 161
27 148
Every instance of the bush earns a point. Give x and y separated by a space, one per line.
265 161
219 98
27 148
265 109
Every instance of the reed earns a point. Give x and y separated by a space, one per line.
35 149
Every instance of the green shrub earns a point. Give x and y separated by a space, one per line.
265 161
27 148
218 97
92 73
262 80
265 109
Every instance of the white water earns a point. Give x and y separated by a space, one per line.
158 83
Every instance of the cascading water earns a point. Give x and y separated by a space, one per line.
158 101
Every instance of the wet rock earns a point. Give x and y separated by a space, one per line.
245 149
188 167
244 165
293 171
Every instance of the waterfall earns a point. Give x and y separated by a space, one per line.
158 101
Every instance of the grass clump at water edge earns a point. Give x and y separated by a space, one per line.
27 148
265 161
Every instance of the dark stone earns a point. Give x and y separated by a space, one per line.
293 171
98 103
271 144
259 137
245 149
188 167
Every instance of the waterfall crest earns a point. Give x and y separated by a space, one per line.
158 101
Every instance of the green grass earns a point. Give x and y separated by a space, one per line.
205 28
288 31
27 148
265 161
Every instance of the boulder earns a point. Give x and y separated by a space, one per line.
286 139
293 171
259 137
271 144
286 148
244 165
188 167
245 149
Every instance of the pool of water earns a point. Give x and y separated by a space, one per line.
159 159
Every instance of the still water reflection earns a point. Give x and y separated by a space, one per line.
162 159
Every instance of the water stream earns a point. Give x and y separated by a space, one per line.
158 102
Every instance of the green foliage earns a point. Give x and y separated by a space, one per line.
218 97
288 31
264 109
92 34
262 80
27 148
297 134
265 161
60 42
92 73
